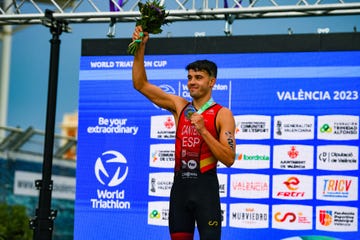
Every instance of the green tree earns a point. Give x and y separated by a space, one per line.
14 224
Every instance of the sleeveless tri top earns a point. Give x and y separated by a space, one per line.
191 151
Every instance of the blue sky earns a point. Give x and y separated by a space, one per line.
29 71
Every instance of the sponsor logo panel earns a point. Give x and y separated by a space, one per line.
294 127
337 218
249 186
252 127
249 215
160 184
292 187
337 157
293 157
292 217
252 156
223 186
223 207
162 155
158 213
337 188
162 127
338 127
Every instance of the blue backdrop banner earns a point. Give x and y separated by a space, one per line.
296 174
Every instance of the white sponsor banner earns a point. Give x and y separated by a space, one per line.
337 188
337 157
337 218
292 217
338 127
249 186
162 155
252 127
252 156
294 127
292 187
158 213
293 157
224 214
221 165
249 215
24 184
162 127
160 184
223 185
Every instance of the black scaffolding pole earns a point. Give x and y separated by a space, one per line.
43 222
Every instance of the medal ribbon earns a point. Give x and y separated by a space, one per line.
191 109
205 106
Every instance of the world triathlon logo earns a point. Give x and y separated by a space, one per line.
111 168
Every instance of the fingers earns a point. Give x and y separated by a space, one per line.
138 33
197 120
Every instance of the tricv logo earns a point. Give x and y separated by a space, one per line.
108 168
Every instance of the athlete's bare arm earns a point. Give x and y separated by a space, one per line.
224 149
155 94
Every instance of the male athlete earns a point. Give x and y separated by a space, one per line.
204 135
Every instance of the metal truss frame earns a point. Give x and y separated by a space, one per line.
31 141
26 12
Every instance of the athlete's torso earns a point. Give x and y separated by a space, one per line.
191 151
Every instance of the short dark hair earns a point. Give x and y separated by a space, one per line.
203 65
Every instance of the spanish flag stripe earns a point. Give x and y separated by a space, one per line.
207 164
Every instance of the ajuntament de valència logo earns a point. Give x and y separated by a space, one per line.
111 168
